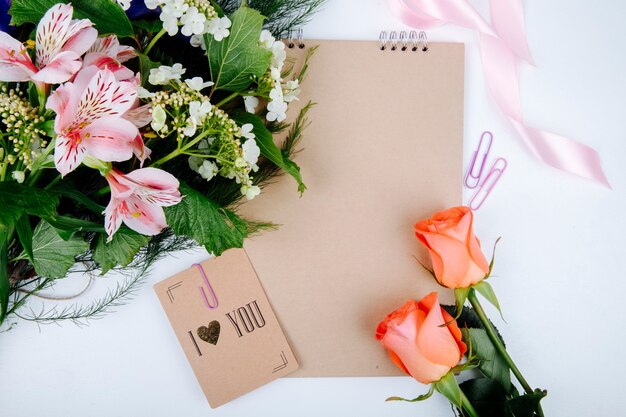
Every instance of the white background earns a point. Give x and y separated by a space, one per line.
560 275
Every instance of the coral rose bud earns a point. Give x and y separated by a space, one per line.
457 259
418 343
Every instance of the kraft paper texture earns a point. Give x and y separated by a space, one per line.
383 151
237 346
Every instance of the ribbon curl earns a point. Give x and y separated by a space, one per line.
503 46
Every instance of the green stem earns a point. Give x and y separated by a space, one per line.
493 335
54 182
181 150
102 191
227 99
3 172
154 40
467 406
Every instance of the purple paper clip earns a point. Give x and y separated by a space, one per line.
208 284
472 179
498 167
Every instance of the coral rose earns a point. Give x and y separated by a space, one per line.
418 343
457 259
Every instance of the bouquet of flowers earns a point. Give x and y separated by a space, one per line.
133 128
429 341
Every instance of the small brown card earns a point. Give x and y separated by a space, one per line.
226 326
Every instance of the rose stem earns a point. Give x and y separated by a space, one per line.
491 332
467 406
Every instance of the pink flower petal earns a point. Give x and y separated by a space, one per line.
52 32
112 218
154 178
145 218
104 61
95 100
139 116
110 45
141 151
60 69
80 36
63 102
15 63
110 139
68 154
124 97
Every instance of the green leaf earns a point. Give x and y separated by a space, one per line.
265 141
449 388
150 26
493 257
53 256
17 199
66 226
484 288
486 395
236 59
201 219
121 250
107 16
218 9
78 197
145 65
416 399
25 234
5 285
525 405
460 294
491 364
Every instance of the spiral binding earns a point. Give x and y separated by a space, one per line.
417 41
299 37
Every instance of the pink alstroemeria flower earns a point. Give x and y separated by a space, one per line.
59 44
89 120
138 198
107 53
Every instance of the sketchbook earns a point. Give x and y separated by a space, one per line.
383 150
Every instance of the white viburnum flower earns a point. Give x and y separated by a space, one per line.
251 153
275 74
266 39
191 127
164 74
124 3
198 111
152 4
18 176
246 131
193 22
208 170
277 111
197 41
158 118
277 92
195 162
251 103
197 83
293 91
279 55
218 27
143 93
250 191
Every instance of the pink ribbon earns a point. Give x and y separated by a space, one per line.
503 45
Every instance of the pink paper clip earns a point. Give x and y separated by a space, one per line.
472 179
208 284
498 167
